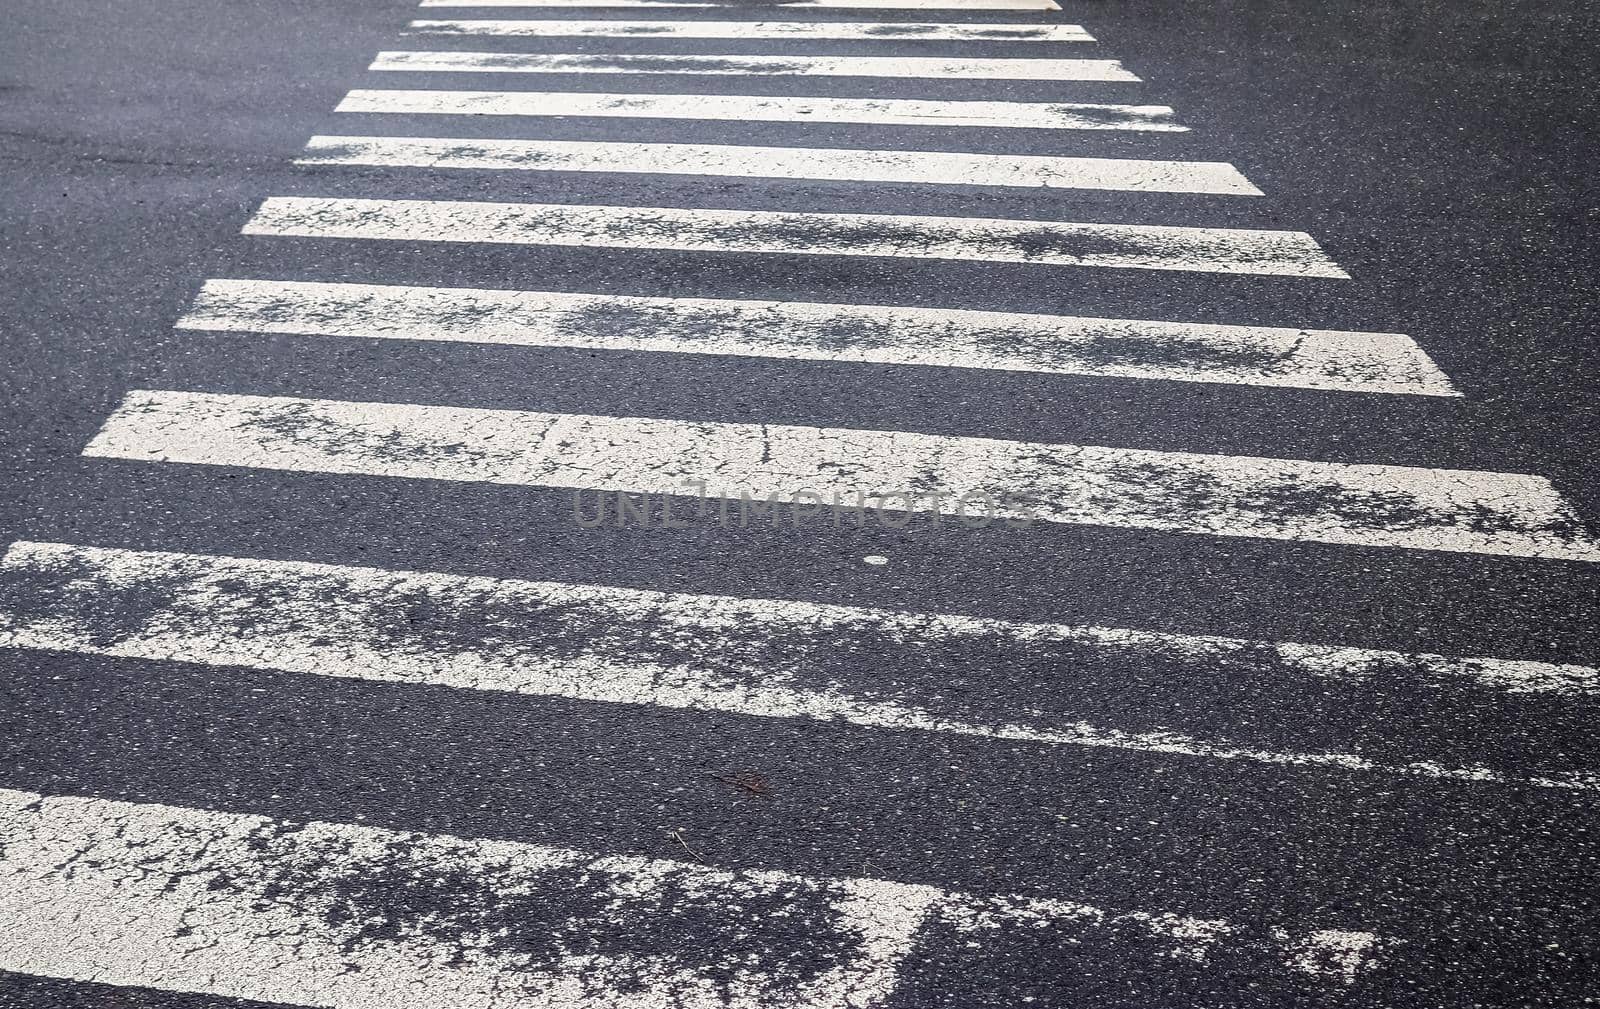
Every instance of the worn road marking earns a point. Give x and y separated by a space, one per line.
351 917
1045 243
961 68
964 5
828 164
1388 363
1220 495
775 30
776 109
762 658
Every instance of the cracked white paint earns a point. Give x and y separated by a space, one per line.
963 5
826 164
946 338
354 917
802 30
1045 243
766 108
1415 508
756 657
935 67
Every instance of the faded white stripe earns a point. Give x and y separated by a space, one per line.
758 108
1220 495
1045 243
349 917
335 915
825 66
764 658
1122 348
827 164
866 30
993 5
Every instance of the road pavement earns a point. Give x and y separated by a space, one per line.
831 504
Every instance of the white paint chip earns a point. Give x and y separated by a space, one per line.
1333 954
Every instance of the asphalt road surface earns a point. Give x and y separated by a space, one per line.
814 506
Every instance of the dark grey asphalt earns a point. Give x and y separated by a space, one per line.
1441 152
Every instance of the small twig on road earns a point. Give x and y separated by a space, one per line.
679 838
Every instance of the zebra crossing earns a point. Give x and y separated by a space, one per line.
225 901
843 939
416 61
834 164
773 30
1002 5
767 108
931 337
1289 499
1053 243
672 650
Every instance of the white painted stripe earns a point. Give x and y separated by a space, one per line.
756 108
753 657
1219 495
1123 348
825 66
827 164
1043 243
865 30
357 917
961 5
